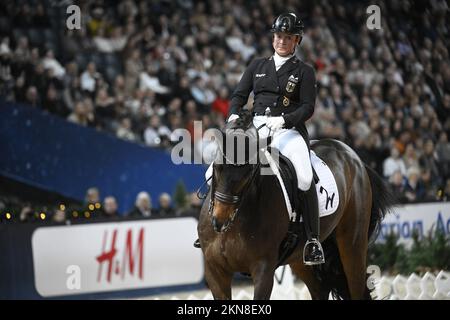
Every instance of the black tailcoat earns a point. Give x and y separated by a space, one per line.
289 92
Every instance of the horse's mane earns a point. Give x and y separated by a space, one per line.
243 122
241 128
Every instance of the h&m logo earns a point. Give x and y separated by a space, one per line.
120 265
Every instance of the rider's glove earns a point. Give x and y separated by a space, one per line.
275 123
233 117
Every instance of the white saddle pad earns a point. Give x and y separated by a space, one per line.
327 191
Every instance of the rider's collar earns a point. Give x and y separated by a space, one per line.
279 60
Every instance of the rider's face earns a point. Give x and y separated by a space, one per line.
284 43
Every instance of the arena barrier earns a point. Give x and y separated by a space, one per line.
422 218
100 259
137 258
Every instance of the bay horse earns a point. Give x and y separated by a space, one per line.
244 220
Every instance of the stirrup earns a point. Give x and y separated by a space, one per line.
316 256
197 243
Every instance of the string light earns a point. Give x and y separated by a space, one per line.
98 205
75 214
8 215
62 207
42 216
91 207
87 214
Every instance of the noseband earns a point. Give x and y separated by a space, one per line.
230 199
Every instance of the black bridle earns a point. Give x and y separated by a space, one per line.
236 200
232 199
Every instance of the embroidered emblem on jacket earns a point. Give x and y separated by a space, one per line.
292 82
259 75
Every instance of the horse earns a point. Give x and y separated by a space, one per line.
244 219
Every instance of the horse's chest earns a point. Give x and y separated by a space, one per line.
236 250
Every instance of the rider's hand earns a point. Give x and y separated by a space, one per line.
233 117
275 123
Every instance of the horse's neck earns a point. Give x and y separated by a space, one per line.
261 191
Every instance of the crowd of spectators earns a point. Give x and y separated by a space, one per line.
13 210
142 69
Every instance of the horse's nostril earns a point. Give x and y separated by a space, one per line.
216 224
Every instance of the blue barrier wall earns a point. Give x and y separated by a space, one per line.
48 152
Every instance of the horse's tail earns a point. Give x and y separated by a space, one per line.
383 200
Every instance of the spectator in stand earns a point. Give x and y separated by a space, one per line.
79 115
149 80
429 161
92 206
51 63
430 187
165 207
89 79
59 216
110 208
155 131
142 207
398 185
221 104
410 158
54 103
125 132
414 189
394 163
27 214
443 154
32 97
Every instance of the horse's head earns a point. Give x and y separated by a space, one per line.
234 170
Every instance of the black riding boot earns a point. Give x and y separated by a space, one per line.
312 252
197 243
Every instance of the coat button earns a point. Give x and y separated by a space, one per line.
278 88
274 104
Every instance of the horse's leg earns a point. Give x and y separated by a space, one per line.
219 281
317 291
262 275
353 259
352 239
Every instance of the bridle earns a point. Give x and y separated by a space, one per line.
232 199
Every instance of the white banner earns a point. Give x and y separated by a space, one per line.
115 256
424 218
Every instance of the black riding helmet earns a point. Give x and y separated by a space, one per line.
288 23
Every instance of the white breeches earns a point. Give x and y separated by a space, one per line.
292 145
